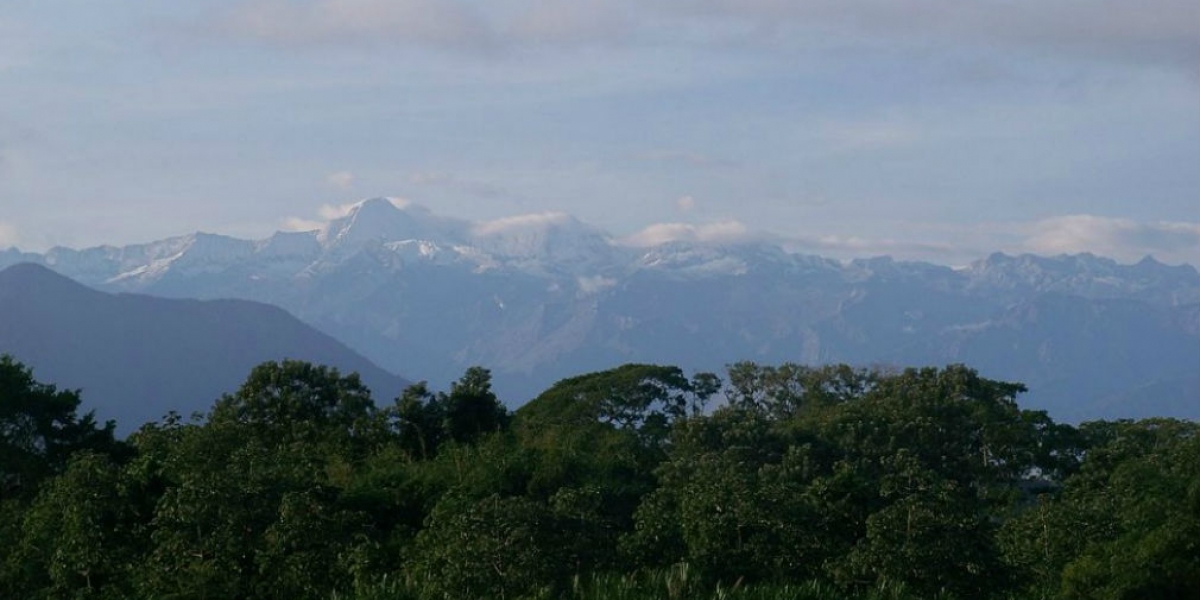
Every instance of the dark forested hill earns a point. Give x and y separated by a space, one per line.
136 357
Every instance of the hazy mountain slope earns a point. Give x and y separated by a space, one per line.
540 297
136 357
1080 355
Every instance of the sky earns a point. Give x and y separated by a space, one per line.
936 130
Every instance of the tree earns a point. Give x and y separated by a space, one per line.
1126 525
418 418
733 499
645 399
788 389
495 547
40 430
471 409
252 499
293 400
82 536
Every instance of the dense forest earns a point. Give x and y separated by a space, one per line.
638 482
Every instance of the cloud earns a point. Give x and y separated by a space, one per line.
330 212
662 233
685 204
436 23
8 235
1123 239
592 285
1155 32
1152 31
299 224
519 222
850 246
341 179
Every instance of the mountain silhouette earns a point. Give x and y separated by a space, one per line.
136 357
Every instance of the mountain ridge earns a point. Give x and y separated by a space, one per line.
539 297
135 357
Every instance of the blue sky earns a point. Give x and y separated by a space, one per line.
934 129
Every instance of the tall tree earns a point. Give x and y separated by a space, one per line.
40 429
471 409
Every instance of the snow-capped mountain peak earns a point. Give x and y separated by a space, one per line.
549 236
387 220
542 295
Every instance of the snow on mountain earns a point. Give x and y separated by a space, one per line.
1086 275
289 245
545 241
190 255
543 296
388 220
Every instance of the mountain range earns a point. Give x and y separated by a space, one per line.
135 357
540 297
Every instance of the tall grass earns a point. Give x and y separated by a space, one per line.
679 582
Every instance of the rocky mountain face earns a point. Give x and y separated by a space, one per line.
136 357
540 297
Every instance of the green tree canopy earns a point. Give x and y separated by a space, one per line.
40 429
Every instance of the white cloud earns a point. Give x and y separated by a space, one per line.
330 212
850 246
662 233
519 222
8 235
1123 239
685 204
591 285
299 224
341 179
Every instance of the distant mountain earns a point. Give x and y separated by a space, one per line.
540 297
137 357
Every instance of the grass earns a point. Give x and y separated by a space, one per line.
679 582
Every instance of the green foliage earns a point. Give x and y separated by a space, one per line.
808 483
495 547
251 502
1127 525
39 430
79 537
790 389
295 401
646 399
418 417
471 409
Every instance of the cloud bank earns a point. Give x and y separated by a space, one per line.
662 233
1160 32
1120 238
8 235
